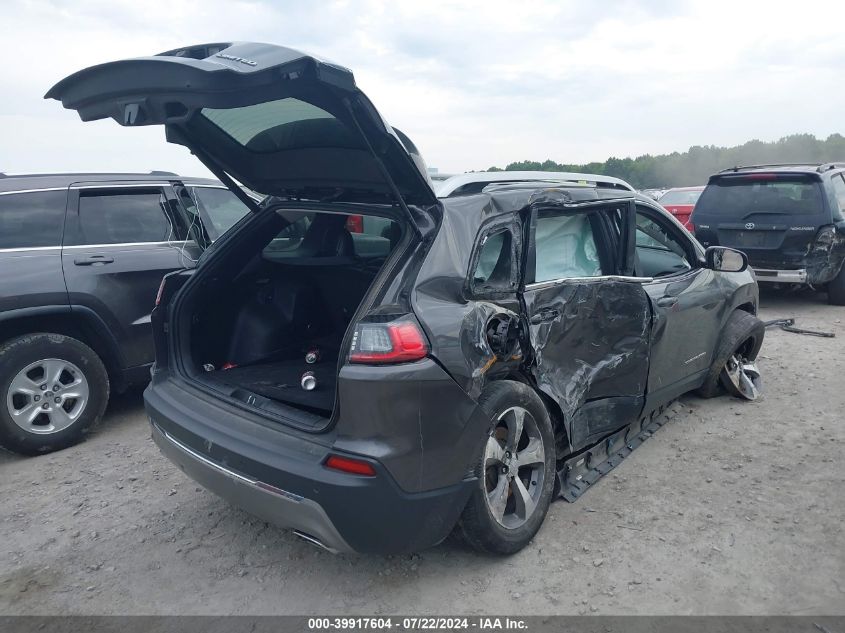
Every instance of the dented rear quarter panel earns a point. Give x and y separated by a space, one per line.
823 261
453 321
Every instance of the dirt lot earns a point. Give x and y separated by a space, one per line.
732 508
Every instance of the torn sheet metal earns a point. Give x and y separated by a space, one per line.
590 342
825 256
455 323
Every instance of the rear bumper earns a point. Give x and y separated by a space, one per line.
771 275
272 504
279 476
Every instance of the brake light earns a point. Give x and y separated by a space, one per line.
355 224
386 343
759 176
160 292
349 465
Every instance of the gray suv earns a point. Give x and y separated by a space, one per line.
81 259
375 367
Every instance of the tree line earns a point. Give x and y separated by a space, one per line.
694 166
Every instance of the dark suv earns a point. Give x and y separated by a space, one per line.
372 366
81 258
788 219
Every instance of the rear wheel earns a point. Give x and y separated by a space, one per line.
733 367
516 472
836 289
53 388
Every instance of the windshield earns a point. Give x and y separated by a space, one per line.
739 196
680 197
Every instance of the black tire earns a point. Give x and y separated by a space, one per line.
836 289
743 333
477 525
16 355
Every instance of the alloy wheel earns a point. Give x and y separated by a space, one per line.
514 468
47 396
743 376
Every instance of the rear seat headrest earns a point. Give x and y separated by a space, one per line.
327 237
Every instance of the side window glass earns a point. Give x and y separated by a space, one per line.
123 217
373 236
290 237
29 220
565 247
309 234
839 191
219 209
659 253
494 266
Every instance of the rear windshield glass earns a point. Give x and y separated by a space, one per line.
680 197
278 125
743 195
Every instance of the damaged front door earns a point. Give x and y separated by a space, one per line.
589 328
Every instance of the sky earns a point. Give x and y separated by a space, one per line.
474 84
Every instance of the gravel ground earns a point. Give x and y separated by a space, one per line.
732 508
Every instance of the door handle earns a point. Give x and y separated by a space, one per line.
667 302
93 259
548 314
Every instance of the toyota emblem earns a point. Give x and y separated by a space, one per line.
749 225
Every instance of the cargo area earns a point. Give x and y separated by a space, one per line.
268 328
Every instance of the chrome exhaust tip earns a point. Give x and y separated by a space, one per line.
314 541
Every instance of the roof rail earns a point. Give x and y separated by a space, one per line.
828 166
738 167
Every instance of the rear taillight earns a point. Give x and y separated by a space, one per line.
160 292
170 284
351 466
355 224
691 227
384 343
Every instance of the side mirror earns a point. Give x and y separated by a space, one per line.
725 260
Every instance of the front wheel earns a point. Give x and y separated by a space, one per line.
516 471
733 367
54 389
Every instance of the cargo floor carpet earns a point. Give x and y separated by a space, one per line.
280 380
